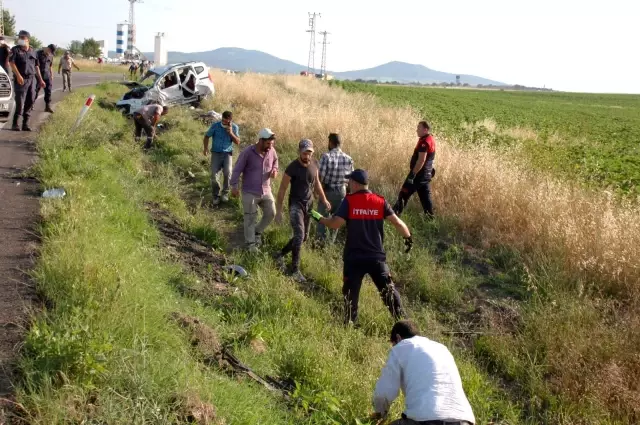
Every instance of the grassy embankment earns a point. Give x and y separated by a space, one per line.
525 291
106 350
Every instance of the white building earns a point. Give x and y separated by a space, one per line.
104 48
160 52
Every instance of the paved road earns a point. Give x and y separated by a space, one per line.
18 218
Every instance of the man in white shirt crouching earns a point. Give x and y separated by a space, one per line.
427 373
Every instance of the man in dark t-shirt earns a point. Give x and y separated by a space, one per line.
364 213
302 175
420 173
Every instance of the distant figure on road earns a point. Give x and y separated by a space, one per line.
421 172
66 62
45 61
257 164
26 74
5 52
224 135
427 373
132 69
142 68
335 168
146 118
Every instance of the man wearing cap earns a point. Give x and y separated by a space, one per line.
421 172
364 213
5 52
257 164
335 167
225 134
45 62
427 374
26 75
66 62
302 175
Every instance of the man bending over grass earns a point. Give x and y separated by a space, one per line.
427 373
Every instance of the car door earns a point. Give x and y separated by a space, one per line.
188 79
170 88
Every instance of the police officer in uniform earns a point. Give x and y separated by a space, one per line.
45 62
26 74
364 213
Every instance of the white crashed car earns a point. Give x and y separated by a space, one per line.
6 94
176 84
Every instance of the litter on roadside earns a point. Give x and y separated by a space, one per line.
56 193
237 270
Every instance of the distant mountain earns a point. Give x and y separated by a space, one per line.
253 60
403 72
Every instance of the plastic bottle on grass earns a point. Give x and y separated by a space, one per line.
56 193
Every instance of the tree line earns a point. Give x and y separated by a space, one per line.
87 48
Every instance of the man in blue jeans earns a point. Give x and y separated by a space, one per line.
224 134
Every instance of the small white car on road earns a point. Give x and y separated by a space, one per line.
177 84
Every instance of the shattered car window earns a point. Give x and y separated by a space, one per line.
149 78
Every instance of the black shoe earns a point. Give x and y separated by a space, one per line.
147 146
15 127
25 127
48 109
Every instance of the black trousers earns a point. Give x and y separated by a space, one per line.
48 88
354 272
299 217
25 96
424 192
142 123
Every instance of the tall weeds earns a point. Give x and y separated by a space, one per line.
594 236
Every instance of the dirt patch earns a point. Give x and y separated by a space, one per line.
206 342
202 337
192 410
195 254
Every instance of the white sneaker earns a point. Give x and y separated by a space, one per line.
216 201
225 198
252 249
298 277
258 238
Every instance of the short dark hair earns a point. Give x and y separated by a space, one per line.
227 115
335 139
404 328
425 124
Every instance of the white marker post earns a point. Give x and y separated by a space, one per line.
84 111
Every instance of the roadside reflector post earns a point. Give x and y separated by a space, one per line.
84 110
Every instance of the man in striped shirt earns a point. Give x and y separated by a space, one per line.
335 168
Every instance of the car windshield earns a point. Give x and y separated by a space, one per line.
149 78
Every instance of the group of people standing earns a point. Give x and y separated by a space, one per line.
32 71
343 196
424 369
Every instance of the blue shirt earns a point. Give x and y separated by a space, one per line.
221 139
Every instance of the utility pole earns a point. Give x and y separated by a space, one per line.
323 65
312 42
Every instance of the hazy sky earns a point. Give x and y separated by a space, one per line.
577 45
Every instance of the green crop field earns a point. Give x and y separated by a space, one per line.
592 137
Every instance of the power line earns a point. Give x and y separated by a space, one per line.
312 41
323 65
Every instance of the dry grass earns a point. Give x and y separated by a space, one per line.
86 65
597 237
